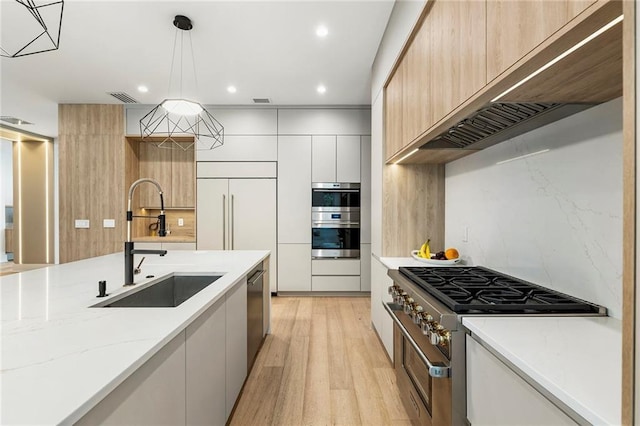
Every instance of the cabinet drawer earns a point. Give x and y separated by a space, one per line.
335 283
335 267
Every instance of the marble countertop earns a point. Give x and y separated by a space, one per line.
60 356
577 359
396 262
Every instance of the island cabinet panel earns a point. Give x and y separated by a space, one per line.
509 400
153 395
457 52
236 343
515 28
206 398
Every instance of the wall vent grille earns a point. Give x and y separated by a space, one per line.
261 100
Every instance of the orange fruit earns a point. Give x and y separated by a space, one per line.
451 254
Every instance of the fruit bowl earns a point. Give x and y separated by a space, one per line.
414 254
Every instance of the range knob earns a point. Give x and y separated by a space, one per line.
436 335
408 305
445 338
393 290
416 314
427 324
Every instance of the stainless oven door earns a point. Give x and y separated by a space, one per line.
335 240
422 373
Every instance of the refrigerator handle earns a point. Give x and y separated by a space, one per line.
224 221
232 224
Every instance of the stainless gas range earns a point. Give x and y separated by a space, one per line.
429 339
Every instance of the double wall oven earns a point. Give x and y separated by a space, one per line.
335 220
429 339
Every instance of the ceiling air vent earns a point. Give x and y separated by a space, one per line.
261 100
13 120
123 97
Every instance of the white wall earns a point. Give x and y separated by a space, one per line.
6 187
555 218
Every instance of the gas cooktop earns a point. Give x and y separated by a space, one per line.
476 289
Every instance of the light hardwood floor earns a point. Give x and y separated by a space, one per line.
322 364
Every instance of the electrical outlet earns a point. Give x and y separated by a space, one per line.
82 223
180 221
108 223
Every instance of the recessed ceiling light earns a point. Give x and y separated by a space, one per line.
143 89
232 89
321 89
322 31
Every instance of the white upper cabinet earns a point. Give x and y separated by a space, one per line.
365 190
324 121
243 148
294 189
323 159
348 159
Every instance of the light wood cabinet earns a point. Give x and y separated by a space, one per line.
514 28
457 51
417 99
393 112
174 169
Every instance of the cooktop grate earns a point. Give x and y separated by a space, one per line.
476 289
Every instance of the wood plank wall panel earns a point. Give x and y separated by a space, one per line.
154 163
629 302
183 178
91 179
412 208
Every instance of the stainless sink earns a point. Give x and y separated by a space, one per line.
167 292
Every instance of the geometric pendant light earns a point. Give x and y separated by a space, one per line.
176 117
30 27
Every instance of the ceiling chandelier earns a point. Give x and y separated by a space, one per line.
176 117
29 27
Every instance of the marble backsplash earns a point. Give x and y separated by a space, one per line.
554 217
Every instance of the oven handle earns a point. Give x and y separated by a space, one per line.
435 370
336 225
335 190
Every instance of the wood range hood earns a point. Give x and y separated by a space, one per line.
553 81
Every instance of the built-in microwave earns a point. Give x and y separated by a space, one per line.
335 196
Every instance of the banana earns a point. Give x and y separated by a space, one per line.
421 252
425 251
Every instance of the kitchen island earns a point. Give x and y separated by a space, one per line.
61 357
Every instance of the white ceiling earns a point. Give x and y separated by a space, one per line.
267 49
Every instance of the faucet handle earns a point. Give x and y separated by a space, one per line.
137 270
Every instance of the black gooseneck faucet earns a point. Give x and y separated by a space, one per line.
129 250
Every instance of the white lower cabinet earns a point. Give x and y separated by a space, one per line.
294 267
381 320
195 379
365 267
497 396
335 283
153 395
206 393
235 342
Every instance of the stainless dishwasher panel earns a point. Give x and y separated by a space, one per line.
255 283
